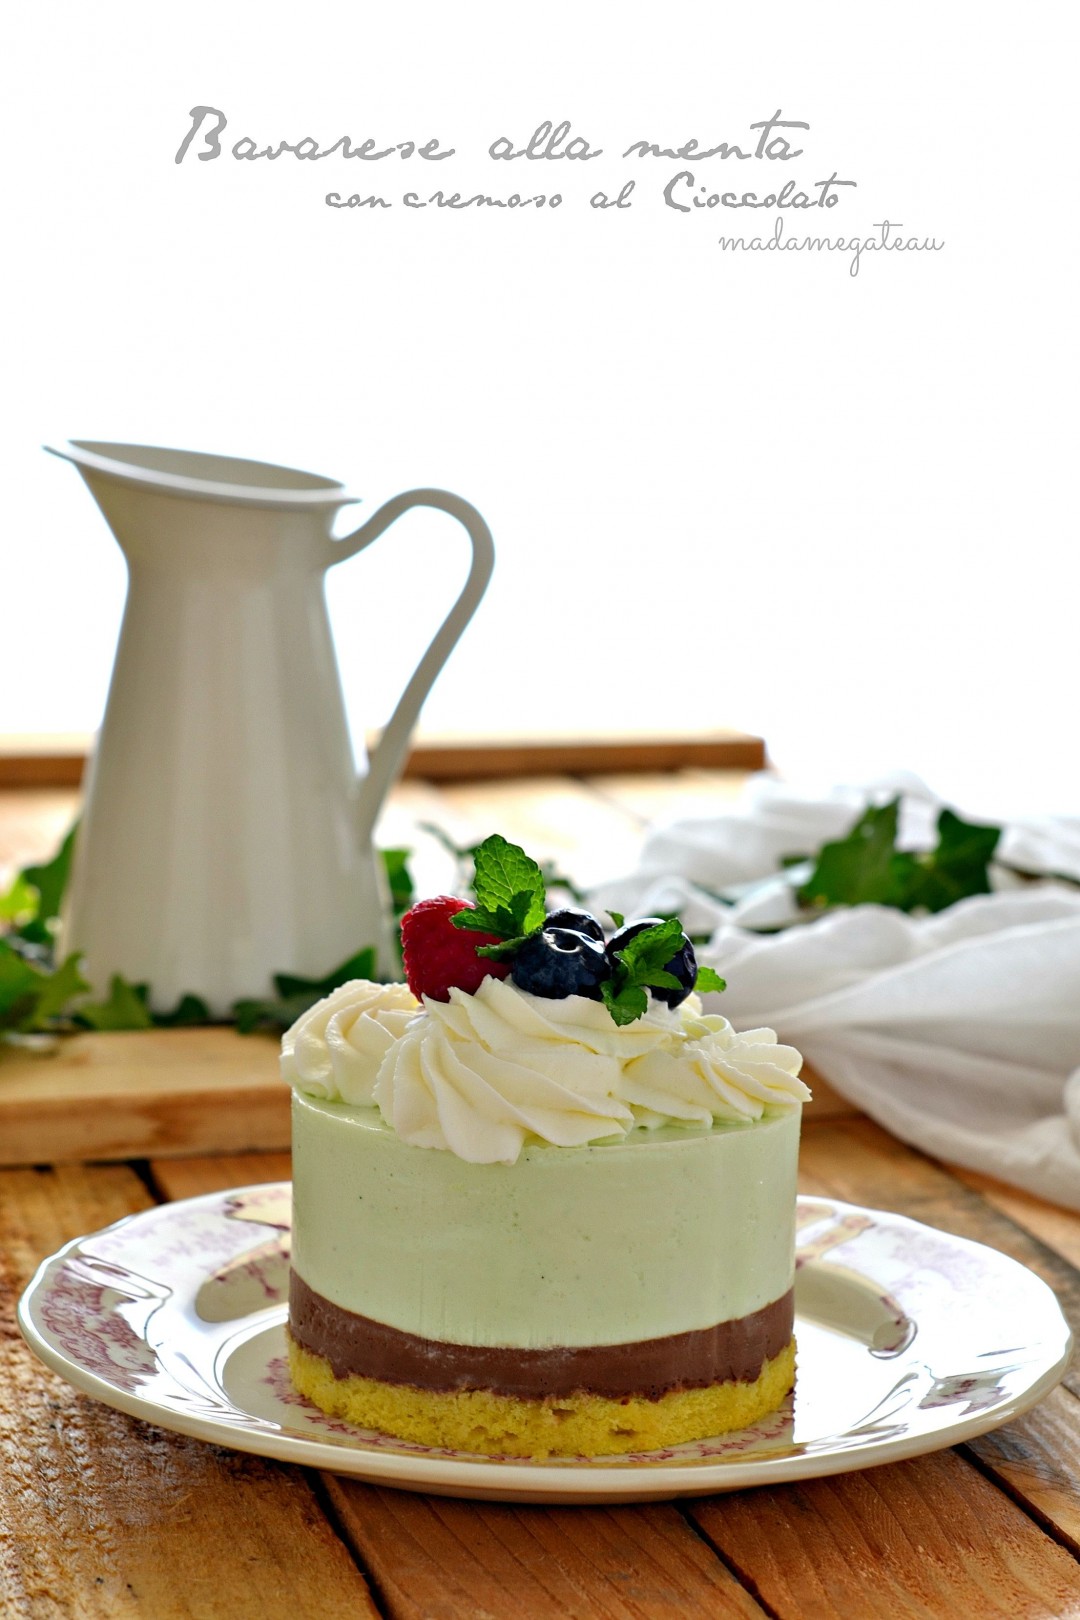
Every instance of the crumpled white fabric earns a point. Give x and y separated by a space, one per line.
959 1032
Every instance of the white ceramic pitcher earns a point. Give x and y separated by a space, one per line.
225 835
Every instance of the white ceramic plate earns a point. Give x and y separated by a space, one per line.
909 1340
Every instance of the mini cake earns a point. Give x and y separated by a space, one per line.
544 1206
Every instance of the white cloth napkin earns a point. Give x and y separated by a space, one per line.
958 1032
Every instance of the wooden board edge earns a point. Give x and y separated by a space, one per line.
482 760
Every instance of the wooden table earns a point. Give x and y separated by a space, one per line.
102 1515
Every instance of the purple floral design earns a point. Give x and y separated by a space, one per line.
83 1314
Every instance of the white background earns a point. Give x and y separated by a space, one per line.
744 490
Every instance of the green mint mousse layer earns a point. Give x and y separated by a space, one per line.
659 1232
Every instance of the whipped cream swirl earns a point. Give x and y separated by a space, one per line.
713 1073
334 1050
481 1074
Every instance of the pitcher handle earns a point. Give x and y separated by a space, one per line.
387 757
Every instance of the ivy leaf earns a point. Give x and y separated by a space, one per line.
20 984
708 980
125 1007
858 869
32 994
399 878
296 995
58 989
189 1010
20 901
50 880
959 866
867 867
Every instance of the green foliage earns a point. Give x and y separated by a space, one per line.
49 880
399 878
708 980
639 965
32 992
865 867
296 995
511 898
125 1007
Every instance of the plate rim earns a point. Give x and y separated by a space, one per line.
524 1480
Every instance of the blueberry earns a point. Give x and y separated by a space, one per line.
560 962
683 964
579 922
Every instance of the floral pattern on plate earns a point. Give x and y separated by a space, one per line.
909 1339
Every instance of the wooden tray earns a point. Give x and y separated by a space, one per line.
164 1093
142 1094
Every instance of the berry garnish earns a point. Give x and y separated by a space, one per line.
682 965
439 956
559 962
581 922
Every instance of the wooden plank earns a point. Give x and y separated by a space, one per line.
652 796
1036 1457
190 1178
554 819
1058 1228
459 759
918 1539
826 1103
731 750
437 1559
33 825
101 1515
142 1093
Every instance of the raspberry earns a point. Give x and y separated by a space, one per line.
438 956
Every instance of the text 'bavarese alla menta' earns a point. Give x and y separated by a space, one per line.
549 142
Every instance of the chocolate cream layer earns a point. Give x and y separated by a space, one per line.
356 1346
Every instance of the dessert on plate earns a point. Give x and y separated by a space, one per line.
543 1202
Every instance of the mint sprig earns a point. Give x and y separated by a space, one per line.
639 966
511 901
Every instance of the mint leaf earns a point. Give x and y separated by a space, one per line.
650 951
508 882
626 1004
479 921
617 917
124 1008
641 963
708 980
505 947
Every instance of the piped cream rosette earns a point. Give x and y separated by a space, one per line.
479 1075
335 1049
